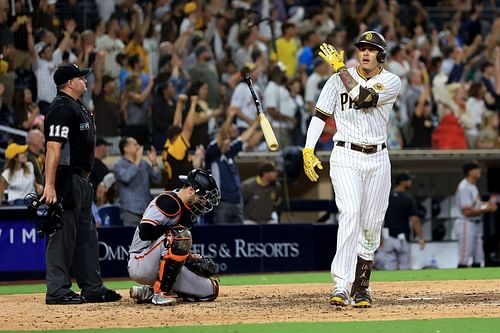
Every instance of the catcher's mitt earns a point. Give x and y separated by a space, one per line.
201 265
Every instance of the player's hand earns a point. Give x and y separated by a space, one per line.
332 56
311 162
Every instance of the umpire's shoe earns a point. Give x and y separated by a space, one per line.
340 297
107 296
362 298
69 298
165 298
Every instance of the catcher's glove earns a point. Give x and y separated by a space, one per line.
48 218
201 265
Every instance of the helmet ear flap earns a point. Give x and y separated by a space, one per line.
381 56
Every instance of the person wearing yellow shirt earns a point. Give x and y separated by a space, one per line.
287 48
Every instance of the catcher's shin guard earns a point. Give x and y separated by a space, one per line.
177 245
359 292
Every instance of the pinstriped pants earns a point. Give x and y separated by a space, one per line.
362 184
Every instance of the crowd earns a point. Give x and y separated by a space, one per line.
167 79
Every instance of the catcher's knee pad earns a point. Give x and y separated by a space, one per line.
177 245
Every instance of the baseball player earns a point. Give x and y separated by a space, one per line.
160 256
360 99
468 225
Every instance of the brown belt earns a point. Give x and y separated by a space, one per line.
367 149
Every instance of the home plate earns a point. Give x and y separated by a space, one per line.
418 298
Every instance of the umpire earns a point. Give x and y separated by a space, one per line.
72 250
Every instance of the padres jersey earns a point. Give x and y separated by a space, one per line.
361 126
157 217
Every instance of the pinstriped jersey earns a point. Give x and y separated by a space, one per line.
362 126
155 216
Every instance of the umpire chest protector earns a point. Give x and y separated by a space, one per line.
71 124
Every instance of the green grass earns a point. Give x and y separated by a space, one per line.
462 325
306 277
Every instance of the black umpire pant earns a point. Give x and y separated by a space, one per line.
73 250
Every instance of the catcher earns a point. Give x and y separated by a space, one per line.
160 256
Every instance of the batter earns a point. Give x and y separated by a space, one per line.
360 100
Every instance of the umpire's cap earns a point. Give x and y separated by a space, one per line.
66 72
375 39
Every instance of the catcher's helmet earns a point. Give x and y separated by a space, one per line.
205 187
375 39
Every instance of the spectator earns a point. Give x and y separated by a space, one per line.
280 105
36 153
99 169
176 158
315 82
26 112
135 67
488 133
468 226
162 112
476 107
261 195
423 122
107 110
45 62
6 118
45 16
18 177
300 114
134 177
136 108
310 41
111 45
287 48
202 71
244 104
394 251
220 157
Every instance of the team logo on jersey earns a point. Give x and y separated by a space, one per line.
84 126
368 36
378 86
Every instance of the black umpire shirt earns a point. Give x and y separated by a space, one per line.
69 122
401 207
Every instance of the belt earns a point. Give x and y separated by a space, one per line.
367 149
81 172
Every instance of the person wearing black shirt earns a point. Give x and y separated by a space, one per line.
99 170
394 252
70 141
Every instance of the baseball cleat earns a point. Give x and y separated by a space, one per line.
339 298
362 298
141 294
165 298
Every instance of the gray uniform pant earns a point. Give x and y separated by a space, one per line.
470 242
393 254
144 268
73 250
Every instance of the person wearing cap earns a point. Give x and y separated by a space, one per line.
468 226
70 143
18 177
36 152
261 195
160 254
99 169
45 61
205 72
394 252
242 101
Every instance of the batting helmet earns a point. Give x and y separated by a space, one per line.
375 39
205 187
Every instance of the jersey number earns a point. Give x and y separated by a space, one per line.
58 131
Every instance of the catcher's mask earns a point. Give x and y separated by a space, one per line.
48 218
205 188
375 39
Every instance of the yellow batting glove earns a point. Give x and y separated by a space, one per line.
311 162
332 56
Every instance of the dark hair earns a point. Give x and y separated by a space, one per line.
195 87
485 65
123 143
474 89
133 60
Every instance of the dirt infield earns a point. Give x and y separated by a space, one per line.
262 304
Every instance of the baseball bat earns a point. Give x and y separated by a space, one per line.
267 130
